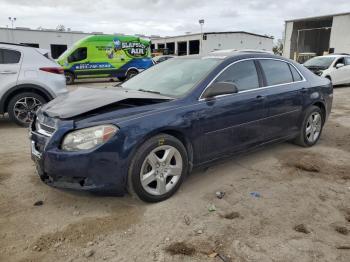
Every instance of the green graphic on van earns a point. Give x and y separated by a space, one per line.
106 55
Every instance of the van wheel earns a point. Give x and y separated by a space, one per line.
69 78
158 168
22 107
121 78
131 73
311 128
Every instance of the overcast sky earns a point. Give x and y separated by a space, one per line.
165 17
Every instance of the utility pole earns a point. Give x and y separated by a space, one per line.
201 23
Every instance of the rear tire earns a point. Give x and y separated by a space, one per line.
22 107
311 128
69 78
158 168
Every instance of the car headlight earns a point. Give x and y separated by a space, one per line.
88 138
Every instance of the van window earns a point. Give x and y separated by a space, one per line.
242 74
9 56
78 55
276 72
295 73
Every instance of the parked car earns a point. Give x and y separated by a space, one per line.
28 79
118 56
162 58
146 135
334 67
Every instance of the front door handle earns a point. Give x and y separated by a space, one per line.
8 72
260 97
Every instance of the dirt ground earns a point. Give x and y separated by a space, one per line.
282 203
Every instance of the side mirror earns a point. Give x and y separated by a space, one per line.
339 65
220 88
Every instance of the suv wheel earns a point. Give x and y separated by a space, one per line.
311 128
69 78
22 107
158 168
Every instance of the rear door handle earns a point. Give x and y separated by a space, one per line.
8 72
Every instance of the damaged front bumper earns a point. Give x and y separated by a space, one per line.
99 170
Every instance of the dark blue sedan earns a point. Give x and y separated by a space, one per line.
145 135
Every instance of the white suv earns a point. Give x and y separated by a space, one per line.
28 79
335 67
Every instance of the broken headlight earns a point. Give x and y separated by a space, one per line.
88 138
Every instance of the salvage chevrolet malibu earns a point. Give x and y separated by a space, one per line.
145 135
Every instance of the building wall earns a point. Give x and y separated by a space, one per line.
185 38
288 39
221 41
340 34
43 38
236 41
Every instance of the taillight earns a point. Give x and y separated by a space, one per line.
54 70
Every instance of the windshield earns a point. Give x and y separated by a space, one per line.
320 61
173 78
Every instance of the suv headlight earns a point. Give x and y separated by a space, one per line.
88 138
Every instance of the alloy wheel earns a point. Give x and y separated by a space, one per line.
161 170
313 127
25 107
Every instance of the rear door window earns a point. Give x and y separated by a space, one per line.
276 72
9 56
295 74
242 74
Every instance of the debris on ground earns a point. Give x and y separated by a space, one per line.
76 213
180 248
342 247
36 248
39 203
211 208
255 194
212 255
187 220
224 258
89 253
341 230
230 215
220 194
199 231
308 166
301 228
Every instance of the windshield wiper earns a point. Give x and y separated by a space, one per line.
149 91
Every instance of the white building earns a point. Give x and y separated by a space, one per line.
191 44
321 34
55 41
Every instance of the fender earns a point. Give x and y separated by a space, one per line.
22 88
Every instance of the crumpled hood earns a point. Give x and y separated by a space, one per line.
83 100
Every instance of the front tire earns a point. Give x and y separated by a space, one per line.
131 73
311 128
69 78
158 168
22 107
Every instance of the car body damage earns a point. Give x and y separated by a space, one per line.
85 100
